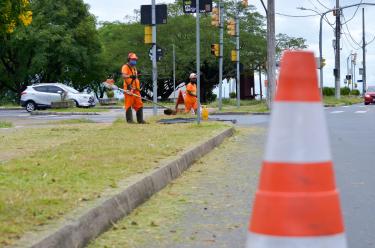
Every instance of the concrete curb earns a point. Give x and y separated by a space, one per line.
63 113
79 231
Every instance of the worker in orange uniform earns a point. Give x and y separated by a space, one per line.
191 94
132 85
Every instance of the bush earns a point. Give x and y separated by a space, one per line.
212 98
232 95
355 92
345 91
328 91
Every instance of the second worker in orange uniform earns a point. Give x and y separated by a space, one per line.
133 87
191 94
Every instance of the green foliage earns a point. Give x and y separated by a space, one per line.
355 92
345 91
328 91
232 94
61 44
5 124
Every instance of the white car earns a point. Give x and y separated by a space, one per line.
40 96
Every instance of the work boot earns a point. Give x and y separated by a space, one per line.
140 116
129 116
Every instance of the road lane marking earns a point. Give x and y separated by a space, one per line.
337 112
361 112
345 106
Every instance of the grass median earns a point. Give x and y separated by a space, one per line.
248 106
74 165
344 100
78 110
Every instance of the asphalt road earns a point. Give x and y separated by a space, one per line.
352 135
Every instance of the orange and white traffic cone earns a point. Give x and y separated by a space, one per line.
297 204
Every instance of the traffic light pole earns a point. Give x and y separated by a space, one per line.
174 72
238 58
198 63
154 64
337 51
221 43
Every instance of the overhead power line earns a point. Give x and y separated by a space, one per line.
322 4
355 12
297 16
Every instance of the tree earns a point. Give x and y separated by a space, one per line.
61 44
14 13
285 42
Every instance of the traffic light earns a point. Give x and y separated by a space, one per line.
232 27
233 56
322 63
215 18
245 3
215 50
148 34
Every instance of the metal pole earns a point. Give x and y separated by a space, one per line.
154 64
174 73
221 43
260 83
321 54
271 52
337 54
363 52
198 64
238 58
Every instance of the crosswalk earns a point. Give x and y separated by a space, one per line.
354 109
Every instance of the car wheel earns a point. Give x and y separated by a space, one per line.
30 106
77 105
367 103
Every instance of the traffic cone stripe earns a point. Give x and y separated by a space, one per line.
256 240
285 177
296 214
299 78
297 134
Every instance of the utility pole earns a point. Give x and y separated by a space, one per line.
198 63
221 44
337 51
363 52
260 83
238 57
174 73
154 64
271 52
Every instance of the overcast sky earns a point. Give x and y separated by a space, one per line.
308 28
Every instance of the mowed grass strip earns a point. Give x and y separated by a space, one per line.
249 106
344 100
5 124
40 188
22 142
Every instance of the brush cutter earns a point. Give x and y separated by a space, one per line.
167 111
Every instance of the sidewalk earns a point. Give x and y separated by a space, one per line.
207 207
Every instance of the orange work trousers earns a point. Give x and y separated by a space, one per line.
191 103
133 101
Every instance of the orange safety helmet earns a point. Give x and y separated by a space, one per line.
132 56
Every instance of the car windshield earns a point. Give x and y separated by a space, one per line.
371 89
71 90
